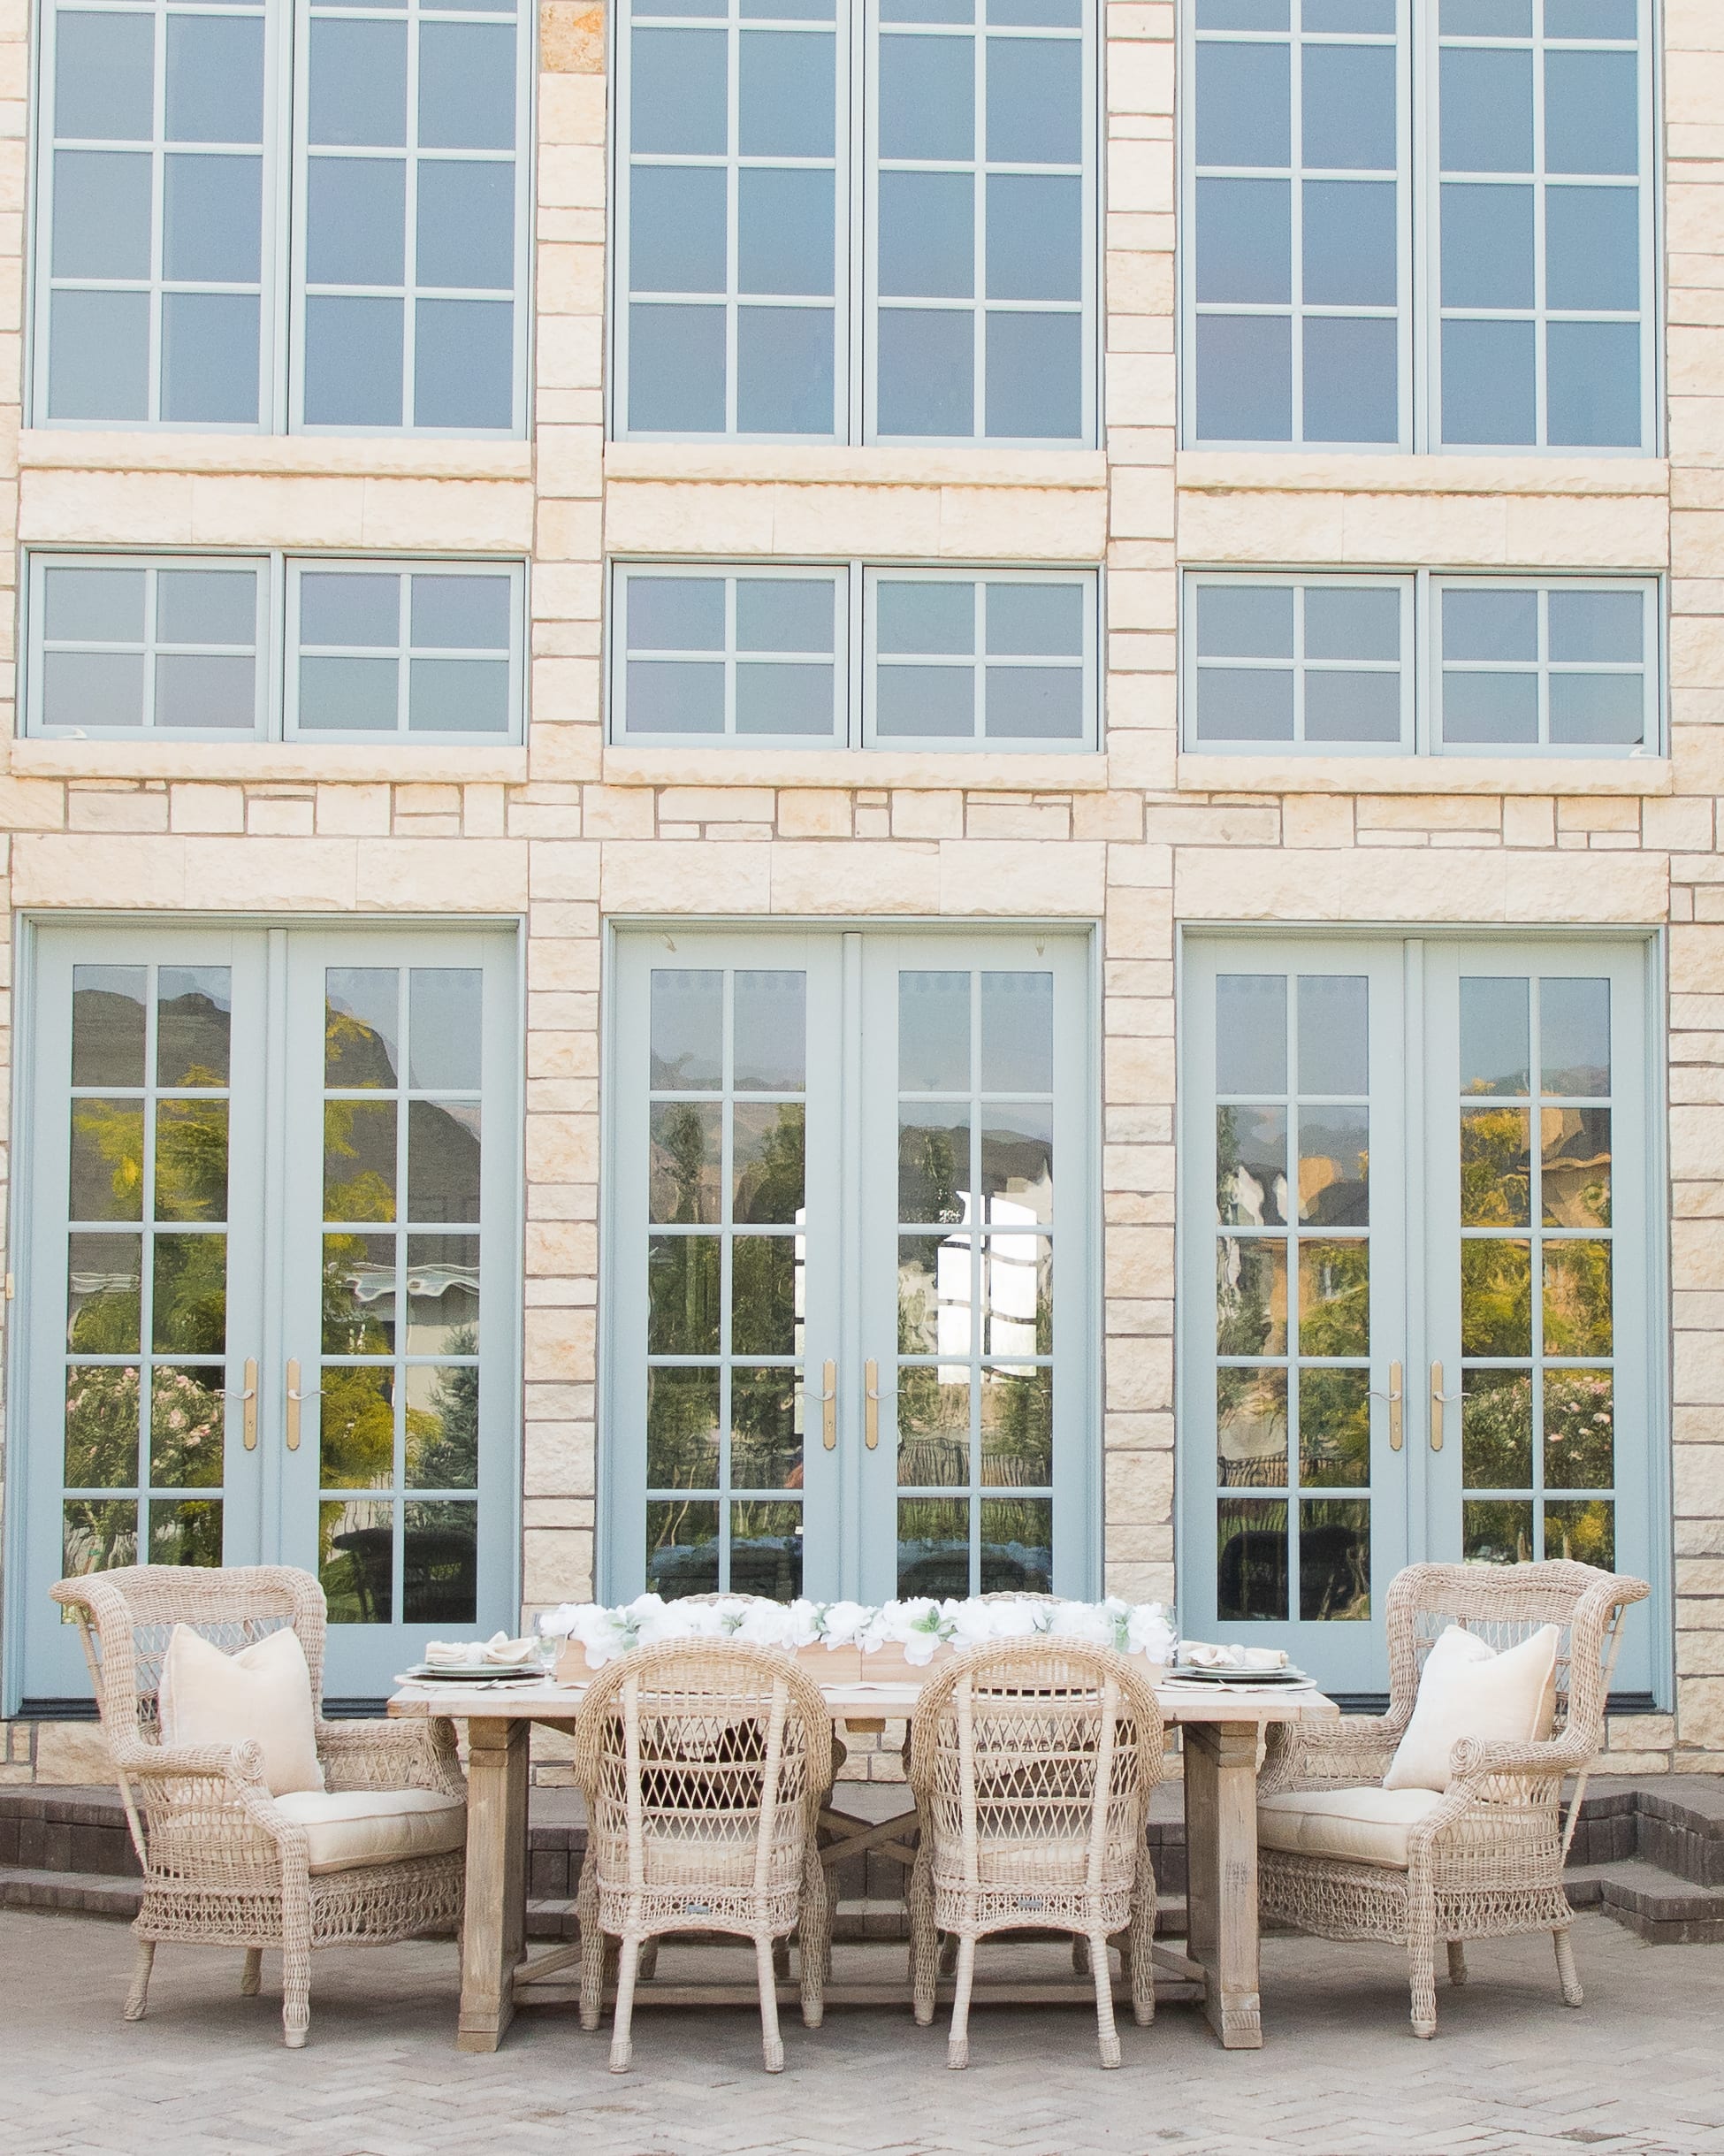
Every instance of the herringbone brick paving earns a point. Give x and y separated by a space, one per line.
1638 2072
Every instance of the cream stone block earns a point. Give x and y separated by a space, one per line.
31 804
562 1148
439 876
72 1753
1139 1488
570 280
716 804
1696 651
1316 820
569 350
1041 524
1696 962
1523 889
206 808
822 813
278 510
1138 1262
1619 532
671 877
558 1344
193 874
1139 1375
1142 504
571 460
1699 1363
1019 879
354 812
1697 1142
281 819
891 876
690 517
1261 528
1139 1068
616 812
94 809
96 507
927 814
1681 824
1428 812
564 869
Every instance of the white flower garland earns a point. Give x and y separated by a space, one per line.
921 1626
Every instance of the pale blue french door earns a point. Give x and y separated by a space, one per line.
846 1316
268 1277
1416 1281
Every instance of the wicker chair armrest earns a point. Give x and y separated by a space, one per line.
1315 1755
391 1756
242 1764
1473 1761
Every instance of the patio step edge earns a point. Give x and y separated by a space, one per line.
1660 1907
81 1893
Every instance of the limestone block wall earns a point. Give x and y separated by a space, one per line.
564 833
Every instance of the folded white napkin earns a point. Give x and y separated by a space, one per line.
507 1653
1197 1656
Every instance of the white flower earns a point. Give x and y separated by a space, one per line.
1149 1631
1016 1620
1091 1622
804 1620
842 1623
970 1622
918 1626
766 1625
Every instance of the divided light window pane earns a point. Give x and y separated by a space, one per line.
717 657
163 647
1542 127
1295 222
983 152
1001 661
1564 667
1323 666
431 652
153 124
411 119
733 234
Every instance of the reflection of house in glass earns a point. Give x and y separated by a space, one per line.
440 1298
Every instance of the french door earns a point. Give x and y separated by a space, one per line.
1418 1233
848 1299
269 1293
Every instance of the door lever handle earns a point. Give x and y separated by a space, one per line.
1439 1400
1394 1396
294 1396
871 1397
249 1396
829 1401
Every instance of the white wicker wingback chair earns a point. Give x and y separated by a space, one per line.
1033 1762
222 1865
703 1763
1487 1862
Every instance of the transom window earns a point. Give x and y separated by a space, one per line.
198 646
1394 665
1518 134
967 137
852 656
176 140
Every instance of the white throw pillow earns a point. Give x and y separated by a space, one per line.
263 1692
1466 1690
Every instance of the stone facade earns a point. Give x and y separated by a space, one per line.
565 832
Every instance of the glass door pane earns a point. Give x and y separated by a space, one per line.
975 1078
1539 1261
1295 1304
398 1453
723 1285
144 1265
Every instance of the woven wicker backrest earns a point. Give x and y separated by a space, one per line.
129 1615
1038 1743
1505 1604
703 1763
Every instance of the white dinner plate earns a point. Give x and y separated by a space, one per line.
469 1673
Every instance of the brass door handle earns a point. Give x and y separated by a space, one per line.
249 1396
1439 1400
871 1397
294 1396
1394 1396
829 1401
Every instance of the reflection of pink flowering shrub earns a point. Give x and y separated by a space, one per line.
185 1438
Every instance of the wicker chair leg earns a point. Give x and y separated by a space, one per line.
924 1945
295 1996
1141 1965
1457 1963
1567 1975
958 2045
1102 1971
772 2045
621 2041
593 1951
252 1975
814 1943
1421 1955
138 1997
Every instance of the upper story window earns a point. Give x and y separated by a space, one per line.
176 143
855 657
1491 154
1466 666
204 647
948 182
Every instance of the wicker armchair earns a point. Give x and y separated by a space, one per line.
703 1763
1486 1862
222 1865
1033 1763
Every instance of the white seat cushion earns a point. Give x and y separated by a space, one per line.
263 1693
347 1828
1466 1690
1361 1826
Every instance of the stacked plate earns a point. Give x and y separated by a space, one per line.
471 1673
1188 1673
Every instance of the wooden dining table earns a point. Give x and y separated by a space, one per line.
1222 1732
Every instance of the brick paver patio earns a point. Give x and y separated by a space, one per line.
1638 2072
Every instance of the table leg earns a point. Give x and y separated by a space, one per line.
494 1933
1221 1854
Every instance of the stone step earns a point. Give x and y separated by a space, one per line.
84 1894
1664 1910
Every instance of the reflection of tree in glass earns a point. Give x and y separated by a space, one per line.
770 1187
99 1534
443 1439
1334 1317
934 1428
368 1193
1246 1272
102 1427
1580 1430
1584 1530
1496 1168
1496 1430
354 1054
681 1429
1019 1427
186 1423
1577 1303
190 1316
1496 1297
680 1148
934 1171
349 1327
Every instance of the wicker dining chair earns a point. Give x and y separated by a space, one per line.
1485 1861
703 1763
223 1865
1033 1763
